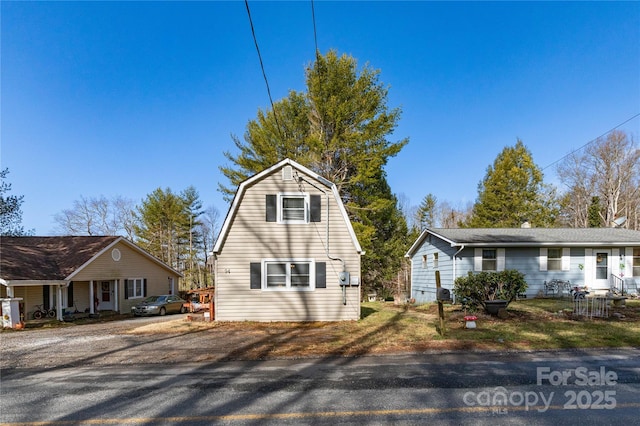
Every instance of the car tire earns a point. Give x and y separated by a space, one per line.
162 311
183 310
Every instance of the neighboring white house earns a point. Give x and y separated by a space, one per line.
598 258
287 251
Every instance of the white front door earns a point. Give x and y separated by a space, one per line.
105 295
601 268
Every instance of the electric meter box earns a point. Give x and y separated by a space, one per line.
343 277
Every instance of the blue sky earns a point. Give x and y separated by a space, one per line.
120 98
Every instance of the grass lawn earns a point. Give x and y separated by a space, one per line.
388 328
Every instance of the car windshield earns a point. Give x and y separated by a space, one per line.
152 299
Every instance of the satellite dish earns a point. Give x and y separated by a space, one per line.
619 221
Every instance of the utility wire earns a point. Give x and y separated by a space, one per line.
592 141
264 74
315 33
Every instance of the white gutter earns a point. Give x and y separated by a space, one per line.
454 267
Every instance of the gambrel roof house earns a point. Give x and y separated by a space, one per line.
598 258
80 272
287 251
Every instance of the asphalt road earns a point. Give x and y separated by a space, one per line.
574 387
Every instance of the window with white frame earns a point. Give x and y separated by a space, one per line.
636 262
424 260
288 275
554 259
489 260
293 208
135 288
435 260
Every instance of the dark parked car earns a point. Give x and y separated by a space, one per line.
160 305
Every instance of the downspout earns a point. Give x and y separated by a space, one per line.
329 256
454 266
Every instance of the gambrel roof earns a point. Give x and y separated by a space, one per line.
531 237
55 258
244 185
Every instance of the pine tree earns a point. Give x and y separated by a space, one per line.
512 192
339 129
10 209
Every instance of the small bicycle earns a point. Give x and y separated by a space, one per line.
41 312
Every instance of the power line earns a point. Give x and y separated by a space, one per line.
592 141
315 34
264 74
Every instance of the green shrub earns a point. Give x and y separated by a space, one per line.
476 288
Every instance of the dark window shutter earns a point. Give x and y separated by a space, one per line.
70 301
45 296
256 272
144 288
126 289
316 208
321 275
272 208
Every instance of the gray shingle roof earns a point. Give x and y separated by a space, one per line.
531 237
540 236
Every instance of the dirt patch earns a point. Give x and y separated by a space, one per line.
384 329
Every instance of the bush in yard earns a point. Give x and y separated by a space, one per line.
476 288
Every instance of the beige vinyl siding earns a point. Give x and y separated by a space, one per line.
252 239
80 295
31 296
132 264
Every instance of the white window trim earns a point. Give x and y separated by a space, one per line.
134 280
500 259
312 274
628 261
565 260
279 208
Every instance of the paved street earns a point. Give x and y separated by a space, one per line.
548 387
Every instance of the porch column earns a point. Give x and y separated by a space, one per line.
59 302
116 292
91 298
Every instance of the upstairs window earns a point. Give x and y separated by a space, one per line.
293 208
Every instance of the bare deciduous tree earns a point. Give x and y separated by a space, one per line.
97 216
609 168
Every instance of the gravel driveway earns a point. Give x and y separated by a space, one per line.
111 343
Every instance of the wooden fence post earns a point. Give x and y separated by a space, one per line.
440 304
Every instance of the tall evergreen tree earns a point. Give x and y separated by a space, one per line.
594 213
427 212
160 227
338 128
10 209
513 191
